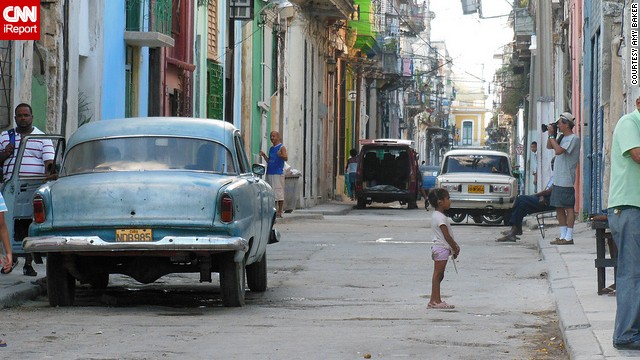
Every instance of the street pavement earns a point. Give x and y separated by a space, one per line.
586 318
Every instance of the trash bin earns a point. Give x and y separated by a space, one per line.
291 192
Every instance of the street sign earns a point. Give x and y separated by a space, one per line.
352 95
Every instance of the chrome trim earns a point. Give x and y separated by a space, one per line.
168 243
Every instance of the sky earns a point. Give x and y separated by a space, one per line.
471 41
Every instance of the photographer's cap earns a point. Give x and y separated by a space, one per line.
569 117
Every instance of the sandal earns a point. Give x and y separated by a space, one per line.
13 266
441 305
609 289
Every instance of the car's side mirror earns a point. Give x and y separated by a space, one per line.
258 169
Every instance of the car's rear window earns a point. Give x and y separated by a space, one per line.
147 153
495 164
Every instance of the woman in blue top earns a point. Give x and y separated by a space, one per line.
275 169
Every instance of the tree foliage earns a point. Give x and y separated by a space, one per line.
515 88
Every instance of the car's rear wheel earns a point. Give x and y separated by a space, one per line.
412 204
493 219
232 282
61 286
362 203
257 275
99 281
458 217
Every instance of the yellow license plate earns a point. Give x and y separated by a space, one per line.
134 235
475 189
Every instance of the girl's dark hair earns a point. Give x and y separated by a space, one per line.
436 194
353 152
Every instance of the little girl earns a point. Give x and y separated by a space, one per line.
443 244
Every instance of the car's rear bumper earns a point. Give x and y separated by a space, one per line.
380 196
166 244
480 202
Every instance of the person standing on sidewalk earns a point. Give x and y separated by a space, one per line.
37 159
624 221
275 169
350 170
563 197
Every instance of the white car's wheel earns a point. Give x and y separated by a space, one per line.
493 219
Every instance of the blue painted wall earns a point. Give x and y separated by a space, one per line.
113 87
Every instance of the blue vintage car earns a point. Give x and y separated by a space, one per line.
429 175
146 197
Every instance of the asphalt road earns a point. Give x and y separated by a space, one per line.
344 287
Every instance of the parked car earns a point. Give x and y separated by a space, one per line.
387 172
146 197
480 183
429 174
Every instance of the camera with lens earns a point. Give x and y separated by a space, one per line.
545 128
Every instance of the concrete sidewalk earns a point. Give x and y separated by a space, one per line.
586 318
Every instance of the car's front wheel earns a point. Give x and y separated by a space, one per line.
61 286
232 282
257 275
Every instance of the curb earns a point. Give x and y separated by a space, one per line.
19 293
579 339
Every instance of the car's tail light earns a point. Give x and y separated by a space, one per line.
38 210
452 187
226 208
501 189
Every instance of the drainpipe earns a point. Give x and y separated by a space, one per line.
65 71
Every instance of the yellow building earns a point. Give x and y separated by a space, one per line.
469 121
469 114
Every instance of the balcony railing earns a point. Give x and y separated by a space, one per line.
148 23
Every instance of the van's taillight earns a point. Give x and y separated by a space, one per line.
38 210
226 208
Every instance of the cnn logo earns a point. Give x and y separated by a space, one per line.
20 20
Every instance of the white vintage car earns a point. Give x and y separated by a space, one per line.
480 184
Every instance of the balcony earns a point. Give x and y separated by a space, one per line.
390 63
149 23
523 28
327 9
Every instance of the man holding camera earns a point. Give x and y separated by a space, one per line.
563 197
